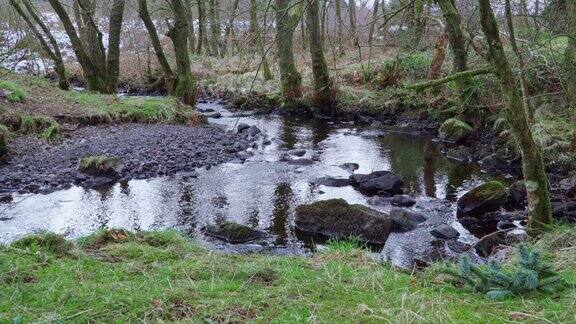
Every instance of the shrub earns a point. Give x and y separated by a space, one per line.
15 92
530 274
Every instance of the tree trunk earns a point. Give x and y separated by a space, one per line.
340 22
539 209
94 38
254 36
229 42
417 24
323 15
520 57
323 87
303 36
202 35
114 31
191 32
373 24
459 52
215 31
155 40
51 49
185 85
286 20
570 64
353 29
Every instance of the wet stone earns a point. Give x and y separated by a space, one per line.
445 232
233 233
403 201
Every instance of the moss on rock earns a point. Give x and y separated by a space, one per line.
454 130
100 165
233 232
485 198
335 218
3 141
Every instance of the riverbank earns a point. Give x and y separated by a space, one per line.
116 276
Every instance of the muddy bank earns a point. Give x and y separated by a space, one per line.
145 150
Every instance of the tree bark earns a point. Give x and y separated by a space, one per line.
353 28
202 35
114 31
215 30
521 63
324 93
191 32
286 21
185 85
539 209
373 24
229 42
340 28
435 69
459 52
570 64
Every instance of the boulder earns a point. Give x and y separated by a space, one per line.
233 233
100 165
215 115
378 183
301 162
565 211
454 130
403 201
335 218
333 182
517 195
487 197
460 154
445 232
405 220
253 130
350 167
242 127
297 152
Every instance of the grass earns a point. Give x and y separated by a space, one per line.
162 276
16 93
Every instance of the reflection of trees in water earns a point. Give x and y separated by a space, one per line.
428 170
187 201
406 157
283 198
290 128
320 131
457 174
288 133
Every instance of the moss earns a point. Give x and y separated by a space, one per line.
490 190
233 232
49 242
51 133
4 133
36 124
100 165
455 130
15 92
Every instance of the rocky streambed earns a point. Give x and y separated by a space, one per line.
270 183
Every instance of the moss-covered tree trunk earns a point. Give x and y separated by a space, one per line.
113 56
459 52
539 210
46 40
323 87
185 85
522 65
340 27
253 27
417 24
215 30
202 35
287 15
570 64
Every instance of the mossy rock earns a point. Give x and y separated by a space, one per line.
100 165
337 219
454 130
233 232
3 141
487 197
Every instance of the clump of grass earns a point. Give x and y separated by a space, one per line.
49 242
15 92
100 164
105 237
52 133
36 124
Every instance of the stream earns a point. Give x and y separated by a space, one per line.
263 191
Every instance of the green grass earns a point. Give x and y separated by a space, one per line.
16 93
161 276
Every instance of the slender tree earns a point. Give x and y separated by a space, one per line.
229 42
323 85
353 27
215 30
340 26
373 24
287 16
570 63
459 49
44 37
202 35
539 209
191 32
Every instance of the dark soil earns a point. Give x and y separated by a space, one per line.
146 151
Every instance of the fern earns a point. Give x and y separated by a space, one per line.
529 275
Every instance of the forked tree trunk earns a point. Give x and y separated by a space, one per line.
459 52
286 21
539 209
50 46
323 86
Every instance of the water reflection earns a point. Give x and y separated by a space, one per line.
261 193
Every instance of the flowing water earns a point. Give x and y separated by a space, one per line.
261 193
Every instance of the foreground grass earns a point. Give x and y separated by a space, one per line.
119 276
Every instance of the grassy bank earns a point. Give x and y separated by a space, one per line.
118 276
